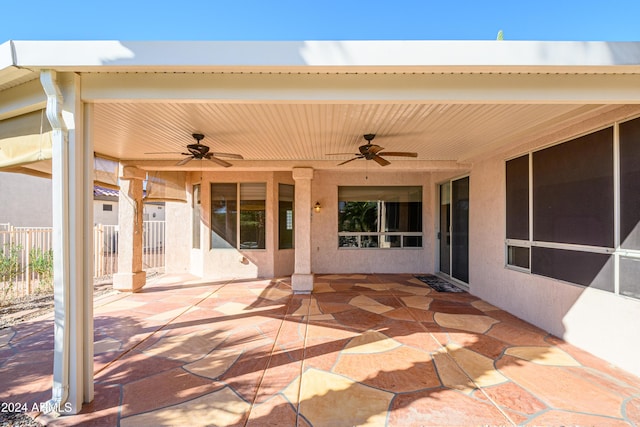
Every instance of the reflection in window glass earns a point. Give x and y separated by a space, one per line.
224 211
225 220
378 216
252 215
285 216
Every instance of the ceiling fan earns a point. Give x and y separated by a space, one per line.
374 152
200 151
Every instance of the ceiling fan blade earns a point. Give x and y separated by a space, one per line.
184 161
229 155
379 160
341 154
398 154
374 149
219 161
350 160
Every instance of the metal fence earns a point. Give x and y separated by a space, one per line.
26 256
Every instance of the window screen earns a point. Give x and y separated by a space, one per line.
573 191
518 198
583 268
630 184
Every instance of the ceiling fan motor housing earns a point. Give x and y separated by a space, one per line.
198 150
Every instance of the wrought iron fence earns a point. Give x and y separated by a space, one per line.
26 257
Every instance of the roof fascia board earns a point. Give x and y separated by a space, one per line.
7 57
326 55
438 88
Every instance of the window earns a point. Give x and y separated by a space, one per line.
518 248
196 212
379 217
252 216
224 215
585 210
285 216
630 184
249 225
107 208
573 191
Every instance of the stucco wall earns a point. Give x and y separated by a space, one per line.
100 216
602 323
328 258
177 237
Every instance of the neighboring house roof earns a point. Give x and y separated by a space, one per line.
101 193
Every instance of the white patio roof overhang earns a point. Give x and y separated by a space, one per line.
288 104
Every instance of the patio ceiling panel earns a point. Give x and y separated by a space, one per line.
309 131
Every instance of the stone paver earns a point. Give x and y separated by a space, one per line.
366 350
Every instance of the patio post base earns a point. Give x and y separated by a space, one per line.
302 283
129 282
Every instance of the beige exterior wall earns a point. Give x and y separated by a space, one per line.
25 201
101 216
178 238
600 322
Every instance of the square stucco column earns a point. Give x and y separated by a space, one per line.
130 276
302 278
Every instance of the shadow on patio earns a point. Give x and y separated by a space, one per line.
361 350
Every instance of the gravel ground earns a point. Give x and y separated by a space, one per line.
16 419
20 310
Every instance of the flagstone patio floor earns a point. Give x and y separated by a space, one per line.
361 350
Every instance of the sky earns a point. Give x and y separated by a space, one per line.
129 20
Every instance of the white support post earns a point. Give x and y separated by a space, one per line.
88 251
302 278
69 176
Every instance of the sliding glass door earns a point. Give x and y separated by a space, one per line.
454 229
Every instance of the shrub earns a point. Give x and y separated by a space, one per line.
41 263
10 267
